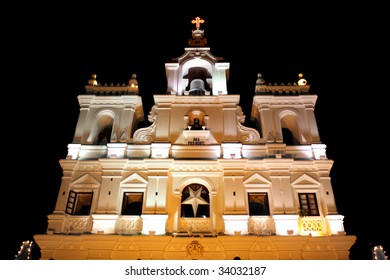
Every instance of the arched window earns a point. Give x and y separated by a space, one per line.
290 128
104 128
195 202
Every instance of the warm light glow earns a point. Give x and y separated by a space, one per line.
104 224
301 81
93 81
310 226
235 224
231 150
197 21
160 150
153 224
25 250
286 224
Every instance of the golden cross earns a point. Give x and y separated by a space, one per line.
197 21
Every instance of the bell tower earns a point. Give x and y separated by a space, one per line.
108 114
285 115
197 71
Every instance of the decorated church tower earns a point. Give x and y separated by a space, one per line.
196 183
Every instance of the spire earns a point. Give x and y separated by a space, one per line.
197 34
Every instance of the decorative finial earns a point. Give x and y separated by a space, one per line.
197 34
260 80
93 81
301 81
133 84
197 21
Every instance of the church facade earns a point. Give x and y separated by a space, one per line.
196 183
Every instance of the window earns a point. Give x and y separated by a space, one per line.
308 204
132 203
258 204
195 202
79 203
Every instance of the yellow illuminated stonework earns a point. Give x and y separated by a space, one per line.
310 226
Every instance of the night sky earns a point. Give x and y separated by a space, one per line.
52 56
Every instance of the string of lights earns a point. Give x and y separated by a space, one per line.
378 253
25 250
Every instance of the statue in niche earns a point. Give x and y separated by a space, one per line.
196 125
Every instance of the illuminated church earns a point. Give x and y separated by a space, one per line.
196 183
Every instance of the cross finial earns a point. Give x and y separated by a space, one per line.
197 21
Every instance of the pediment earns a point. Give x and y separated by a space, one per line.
256 180
86 180
305 180
134 179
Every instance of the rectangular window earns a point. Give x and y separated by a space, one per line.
308 204
79 203
132 203
258 204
